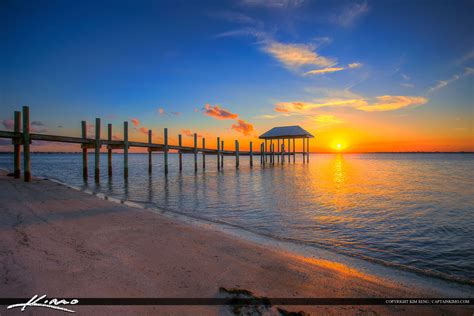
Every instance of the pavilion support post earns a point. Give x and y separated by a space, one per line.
294 150
166 149
16 146
150 165
237 162
218 153
203 153
307 148
261 153
109 150
303 150
222 154
283 153
97 150
289 150
265 153
251 155
195 153
26 144
125 150
278 150
84 150
273 153
180 158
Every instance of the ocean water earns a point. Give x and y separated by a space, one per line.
410 211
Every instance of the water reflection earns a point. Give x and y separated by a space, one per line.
404 209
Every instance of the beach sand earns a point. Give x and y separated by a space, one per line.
65 243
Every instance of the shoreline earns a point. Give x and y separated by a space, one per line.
355 282
398 275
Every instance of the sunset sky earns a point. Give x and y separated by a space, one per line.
369 75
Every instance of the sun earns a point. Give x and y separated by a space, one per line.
338 145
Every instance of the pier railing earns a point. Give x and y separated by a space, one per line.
23 137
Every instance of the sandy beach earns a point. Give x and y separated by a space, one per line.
65 243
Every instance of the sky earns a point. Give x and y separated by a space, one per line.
369 76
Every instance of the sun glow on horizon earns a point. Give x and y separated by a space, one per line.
338 145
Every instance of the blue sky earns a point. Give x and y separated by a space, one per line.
338 68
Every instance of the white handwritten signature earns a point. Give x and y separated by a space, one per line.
41 301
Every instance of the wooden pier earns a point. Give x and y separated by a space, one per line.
23 137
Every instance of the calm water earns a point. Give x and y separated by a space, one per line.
412 211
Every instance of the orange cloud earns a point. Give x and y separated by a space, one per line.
143 130
243 127
324 70
188 133
297 55
219 113
135 122
332 69
382 103
392 102
300 107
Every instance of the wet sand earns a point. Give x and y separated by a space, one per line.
64 243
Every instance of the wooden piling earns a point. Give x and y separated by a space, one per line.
218 153
307 149
150 152
97 150
109 150
261 153
195 153
17 146
180 142
265 154
251 155
203 153
222 154
26 144
166 149
303 150
294 150
237 154
84 151
283 152
278 148
289 150
125 149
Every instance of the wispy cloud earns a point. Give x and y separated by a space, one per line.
332 69
326 120
162 111
443 83
189 133
218 112
350 14
407 85
243 127
379 104
302 107
297 55
323 71
391 103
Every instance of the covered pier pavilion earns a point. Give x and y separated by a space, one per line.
282 135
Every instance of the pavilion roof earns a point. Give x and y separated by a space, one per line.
286 132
